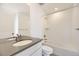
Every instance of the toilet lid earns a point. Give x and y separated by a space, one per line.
47 49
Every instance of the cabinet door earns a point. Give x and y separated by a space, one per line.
31 50
38 52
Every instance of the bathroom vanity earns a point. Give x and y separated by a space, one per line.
32 49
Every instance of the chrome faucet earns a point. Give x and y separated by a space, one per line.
17 37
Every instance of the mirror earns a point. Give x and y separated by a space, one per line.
22 21
14 18
24 24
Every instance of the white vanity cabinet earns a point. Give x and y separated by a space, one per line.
35 50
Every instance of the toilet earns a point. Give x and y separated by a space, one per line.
46 50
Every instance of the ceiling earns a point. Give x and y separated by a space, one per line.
53 7
24 8
14 7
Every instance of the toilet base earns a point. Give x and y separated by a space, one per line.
46 50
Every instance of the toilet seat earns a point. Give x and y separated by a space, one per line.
47 49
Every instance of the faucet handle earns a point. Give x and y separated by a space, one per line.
13 35
18 35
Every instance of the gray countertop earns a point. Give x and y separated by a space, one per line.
6 48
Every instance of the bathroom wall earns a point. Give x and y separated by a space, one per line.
36 20
62 31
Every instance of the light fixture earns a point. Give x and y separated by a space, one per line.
55 9
41 3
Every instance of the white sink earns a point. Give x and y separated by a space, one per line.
22 43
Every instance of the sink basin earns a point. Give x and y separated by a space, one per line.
22 43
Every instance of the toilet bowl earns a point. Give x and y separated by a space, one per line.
46 50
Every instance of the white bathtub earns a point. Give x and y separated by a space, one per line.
64 51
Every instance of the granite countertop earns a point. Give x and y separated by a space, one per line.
6 48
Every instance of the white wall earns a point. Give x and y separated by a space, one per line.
75 26
62 33
36 20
